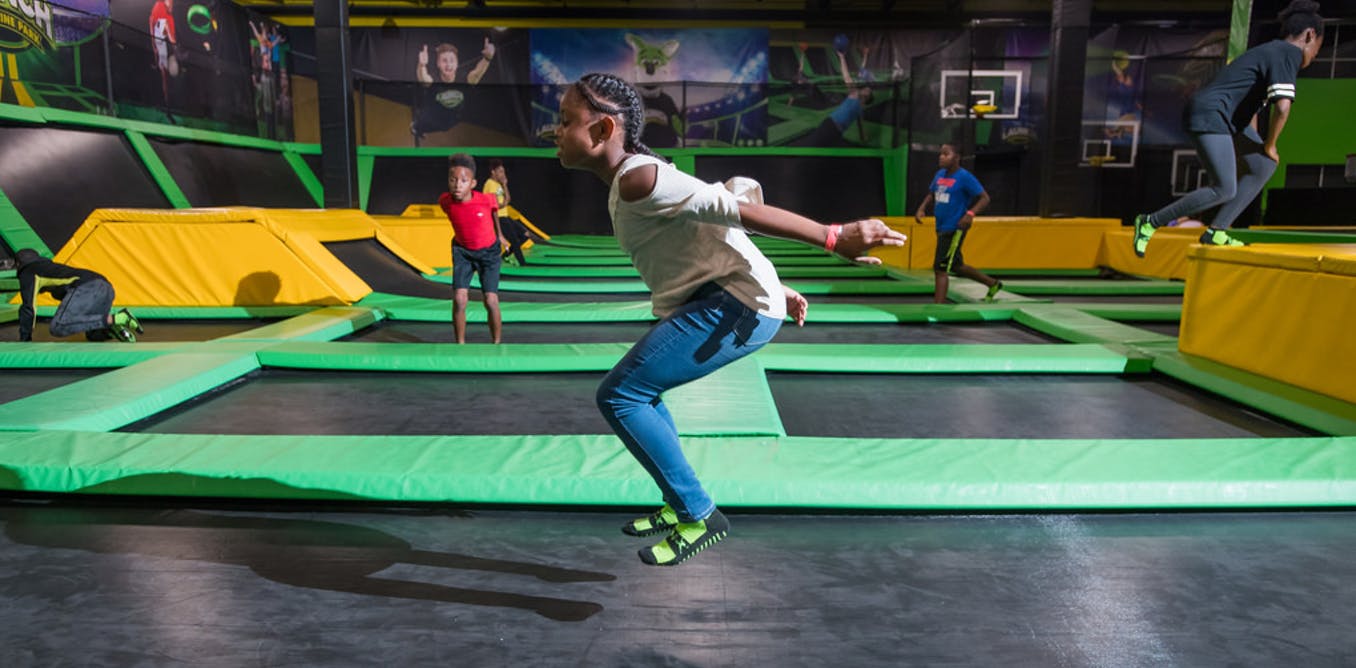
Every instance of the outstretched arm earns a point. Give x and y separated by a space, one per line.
851 242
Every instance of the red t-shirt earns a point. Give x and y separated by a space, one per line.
159 12
472 220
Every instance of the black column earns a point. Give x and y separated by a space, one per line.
1060 180
334 80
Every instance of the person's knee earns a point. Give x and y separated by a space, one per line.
1224 192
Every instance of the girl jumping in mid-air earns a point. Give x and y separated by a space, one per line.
717 296
1222 121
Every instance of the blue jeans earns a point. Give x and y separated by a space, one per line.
708 332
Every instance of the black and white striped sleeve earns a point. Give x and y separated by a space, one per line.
1277 91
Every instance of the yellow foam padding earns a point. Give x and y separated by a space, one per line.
1283 311
428 239
325 225
1166 256
1015 242
423 211
208 257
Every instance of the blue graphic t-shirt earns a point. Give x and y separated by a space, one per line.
951 197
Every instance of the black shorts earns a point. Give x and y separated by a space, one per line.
944 240
484 261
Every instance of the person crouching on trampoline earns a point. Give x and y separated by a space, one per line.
957 196
718 298
1222 121
86 298
476 243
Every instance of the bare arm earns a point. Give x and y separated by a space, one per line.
981 203
1280 112
923 208
486 53
853 242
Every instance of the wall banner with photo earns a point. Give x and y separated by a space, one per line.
668 67
52 54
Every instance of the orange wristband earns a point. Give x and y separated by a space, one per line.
832 239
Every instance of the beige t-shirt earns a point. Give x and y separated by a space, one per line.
687 233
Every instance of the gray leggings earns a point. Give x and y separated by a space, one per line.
1223 156
85 308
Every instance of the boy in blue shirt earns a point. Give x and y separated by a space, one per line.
958 197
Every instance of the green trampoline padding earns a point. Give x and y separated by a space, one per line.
765 471
545 271
422 309
805 287
1078 327
73 355
1146 312
123 396
1094 287
621 261
1310 409
320 325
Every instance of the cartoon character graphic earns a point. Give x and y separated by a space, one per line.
653 67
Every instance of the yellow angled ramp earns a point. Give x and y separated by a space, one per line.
209 257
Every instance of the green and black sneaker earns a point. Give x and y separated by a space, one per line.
1143 230
658 521
686 540
993 291
126 319
1214 237
122 333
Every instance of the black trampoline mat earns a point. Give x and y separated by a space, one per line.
448 585
1010 406
281 401
20 383
155 330
911 332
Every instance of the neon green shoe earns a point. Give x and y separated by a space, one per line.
126 319
1143 231
686 540
1214 237
993 291
122 333
658 521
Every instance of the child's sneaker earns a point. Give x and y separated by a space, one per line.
993 291
126 319
657 522
122 333
686 540
1143 230
1214 237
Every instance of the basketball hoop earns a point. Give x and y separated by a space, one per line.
981 109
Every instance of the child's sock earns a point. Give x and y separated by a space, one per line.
686 540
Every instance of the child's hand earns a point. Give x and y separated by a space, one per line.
918 215
796 306
863 235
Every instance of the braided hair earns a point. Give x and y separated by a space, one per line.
611 95
1299 16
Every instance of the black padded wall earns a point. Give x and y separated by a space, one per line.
56 177
818 187
555 199
216 175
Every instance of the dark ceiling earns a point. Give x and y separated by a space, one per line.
809 13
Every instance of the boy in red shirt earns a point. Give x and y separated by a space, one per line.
476 244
